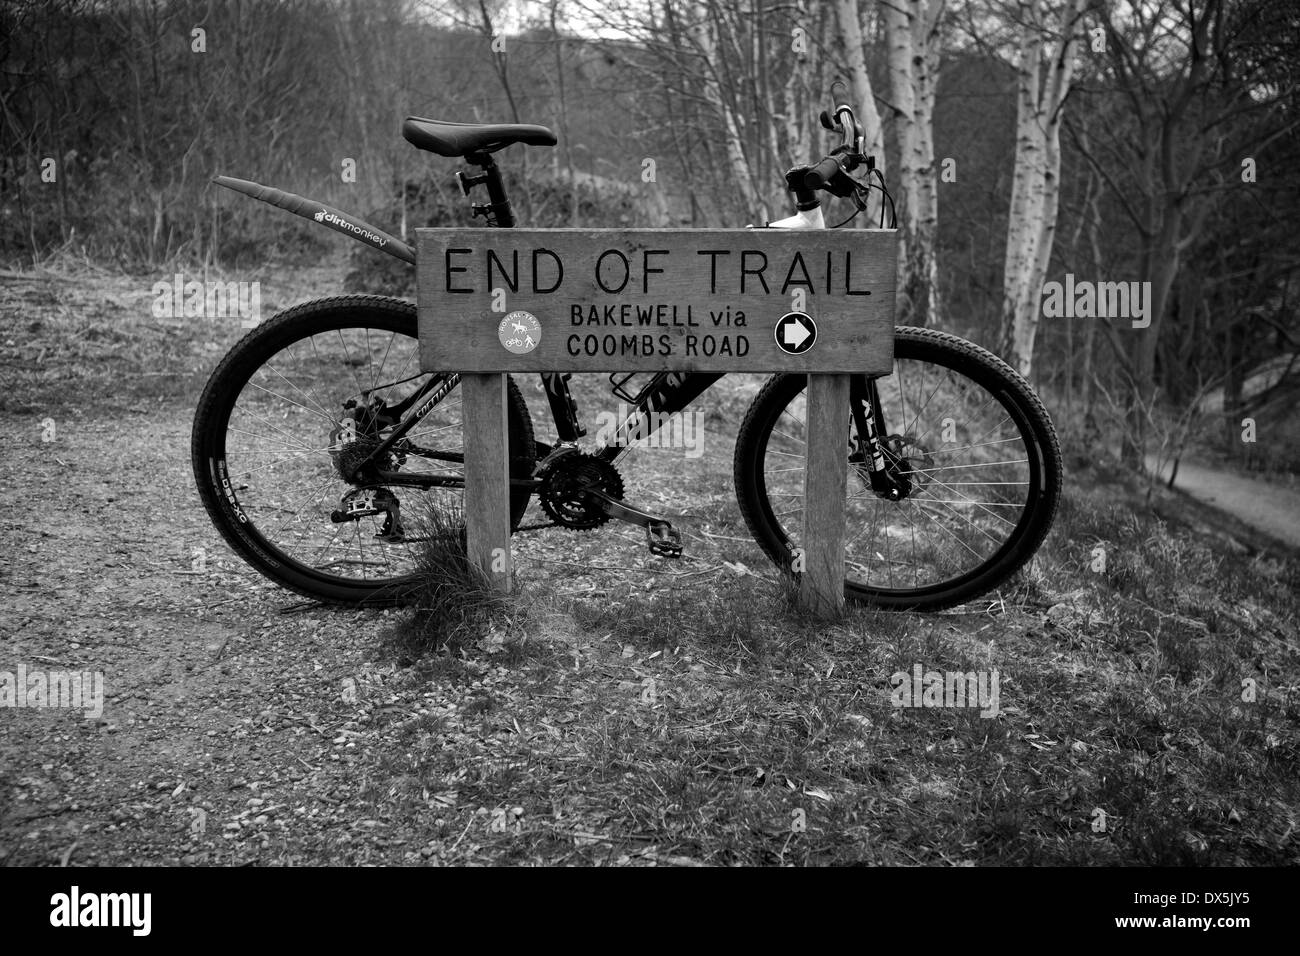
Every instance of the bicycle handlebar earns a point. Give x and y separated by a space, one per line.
832 173
821 174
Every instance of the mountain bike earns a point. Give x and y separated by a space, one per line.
320 445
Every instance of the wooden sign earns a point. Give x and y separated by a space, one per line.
707 300
493 301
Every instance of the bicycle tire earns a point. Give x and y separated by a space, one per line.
997 381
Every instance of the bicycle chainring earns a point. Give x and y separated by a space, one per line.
563 486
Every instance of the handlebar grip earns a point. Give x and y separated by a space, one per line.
818 176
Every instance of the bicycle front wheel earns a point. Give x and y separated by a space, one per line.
972 443
289 411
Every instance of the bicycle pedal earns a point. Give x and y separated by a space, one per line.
663 540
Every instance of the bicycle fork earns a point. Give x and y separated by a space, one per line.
875 462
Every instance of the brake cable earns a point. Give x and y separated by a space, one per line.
859 203
860 193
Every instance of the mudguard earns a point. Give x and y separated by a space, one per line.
324 214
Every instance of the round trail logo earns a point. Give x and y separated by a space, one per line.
520 332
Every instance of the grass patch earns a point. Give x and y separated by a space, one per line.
771 739
455 602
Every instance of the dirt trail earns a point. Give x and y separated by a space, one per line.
197 664
1270 508
232 732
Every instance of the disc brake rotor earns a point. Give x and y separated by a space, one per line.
906 456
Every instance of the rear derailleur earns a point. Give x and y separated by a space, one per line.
352 444
365 502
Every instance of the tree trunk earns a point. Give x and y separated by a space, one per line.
911 27
735 147
864 100
1232 384
565 140
1036 180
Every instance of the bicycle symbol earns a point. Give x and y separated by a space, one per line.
520 332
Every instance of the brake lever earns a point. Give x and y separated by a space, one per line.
842 185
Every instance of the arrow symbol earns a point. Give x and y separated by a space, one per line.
795 333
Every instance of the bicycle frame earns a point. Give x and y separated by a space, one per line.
666 394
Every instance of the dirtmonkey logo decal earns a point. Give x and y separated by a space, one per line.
364 233
520 332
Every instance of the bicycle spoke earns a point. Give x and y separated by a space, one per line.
323 412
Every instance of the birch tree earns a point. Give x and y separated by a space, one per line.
741 82
912 32
864 99
706 42
1044 69
798 93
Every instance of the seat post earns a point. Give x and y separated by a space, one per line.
498 210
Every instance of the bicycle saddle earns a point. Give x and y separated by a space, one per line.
461 139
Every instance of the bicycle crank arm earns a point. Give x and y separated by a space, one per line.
662 538
438 481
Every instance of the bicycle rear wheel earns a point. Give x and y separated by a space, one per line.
968 435
266 450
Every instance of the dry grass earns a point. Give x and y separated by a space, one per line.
704 722
454 602
76 337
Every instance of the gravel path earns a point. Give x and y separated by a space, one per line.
225 726
1270 508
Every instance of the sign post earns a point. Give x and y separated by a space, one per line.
498 301
487 476
821 586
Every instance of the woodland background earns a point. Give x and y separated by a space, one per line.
1148 654
1151 141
